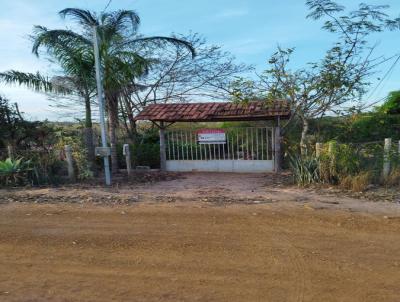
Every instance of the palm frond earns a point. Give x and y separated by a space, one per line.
52 38
161 39
121 19
83 17
34 81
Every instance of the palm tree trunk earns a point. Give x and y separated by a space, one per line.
131 119
88 132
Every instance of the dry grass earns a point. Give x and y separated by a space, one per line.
393 180
357 183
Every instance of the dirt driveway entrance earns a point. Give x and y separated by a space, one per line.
186 241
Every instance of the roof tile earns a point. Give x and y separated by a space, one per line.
196 112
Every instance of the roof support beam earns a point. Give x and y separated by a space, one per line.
162 125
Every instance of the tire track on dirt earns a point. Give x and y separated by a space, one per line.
295 257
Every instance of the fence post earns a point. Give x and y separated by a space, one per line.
386 157
163 156
331 148
127 154
10 151
70 162
318 148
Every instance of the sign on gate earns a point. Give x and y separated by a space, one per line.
211 136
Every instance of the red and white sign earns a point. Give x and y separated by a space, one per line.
211 136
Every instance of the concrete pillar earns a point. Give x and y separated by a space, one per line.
386 157
163 155
127 153
10 151
70 162
318 149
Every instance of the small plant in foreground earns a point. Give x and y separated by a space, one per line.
14 172
305 169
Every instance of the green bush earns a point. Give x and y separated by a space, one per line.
146 150
351 166
79 153
14 172
305 169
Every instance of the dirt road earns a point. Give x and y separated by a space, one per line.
198 251
192 252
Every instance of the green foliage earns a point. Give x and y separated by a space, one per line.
147 151
244 90
392 104
35 81
356 129
79 153
14 172
337 161
47 166
305 169
352 166
147 154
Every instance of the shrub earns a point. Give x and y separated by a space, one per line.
79 154
14 172
305 169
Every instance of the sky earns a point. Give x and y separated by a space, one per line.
250 30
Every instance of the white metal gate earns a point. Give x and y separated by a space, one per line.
240 150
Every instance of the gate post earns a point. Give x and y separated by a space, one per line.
277 149
163 156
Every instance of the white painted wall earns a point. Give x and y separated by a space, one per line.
239 166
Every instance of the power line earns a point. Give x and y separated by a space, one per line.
385 77
107 5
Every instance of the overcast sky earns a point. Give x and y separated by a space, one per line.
250 30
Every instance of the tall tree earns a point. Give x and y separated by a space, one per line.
76 78
339 78
77 61
119 42
175 76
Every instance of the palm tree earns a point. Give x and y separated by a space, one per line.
76 60
119 44
121 63
77 78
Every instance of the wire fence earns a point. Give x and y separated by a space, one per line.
377 157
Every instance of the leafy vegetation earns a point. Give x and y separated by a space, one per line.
137 71
339 78
305 169
14 172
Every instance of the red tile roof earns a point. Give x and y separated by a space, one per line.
207 112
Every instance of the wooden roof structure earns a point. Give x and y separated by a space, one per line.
215 112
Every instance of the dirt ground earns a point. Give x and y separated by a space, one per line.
199 237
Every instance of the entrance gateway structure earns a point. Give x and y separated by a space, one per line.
250 149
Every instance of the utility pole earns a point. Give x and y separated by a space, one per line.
101 105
